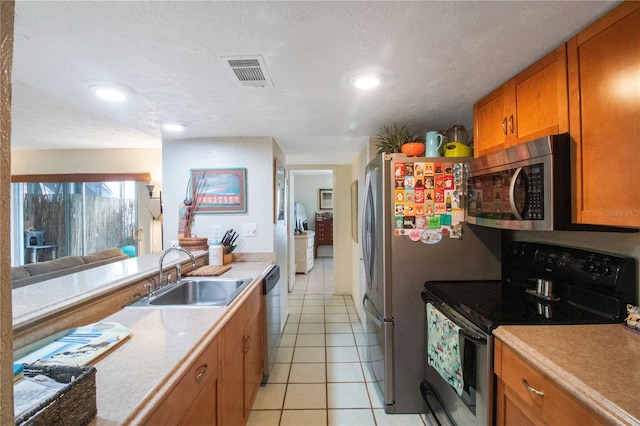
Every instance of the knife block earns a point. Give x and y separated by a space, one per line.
227 258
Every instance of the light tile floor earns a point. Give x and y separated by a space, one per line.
318 378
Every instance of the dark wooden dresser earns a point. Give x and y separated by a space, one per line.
324 230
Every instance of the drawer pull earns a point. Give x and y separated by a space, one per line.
201 372
532 389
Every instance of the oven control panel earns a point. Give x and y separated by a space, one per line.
571 265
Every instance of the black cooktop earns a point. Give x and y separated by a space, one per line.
589 288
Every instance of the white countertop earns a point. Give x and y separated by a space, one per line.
32 301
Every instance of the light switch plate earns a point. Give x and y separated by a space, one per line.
217 231
250 230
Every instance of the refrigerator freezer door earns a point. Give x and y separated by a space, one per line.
379 355
373 238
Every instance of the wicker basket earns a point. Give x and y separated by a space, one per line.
74 404
194 244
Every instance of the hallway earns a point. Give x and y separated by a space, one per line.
318 378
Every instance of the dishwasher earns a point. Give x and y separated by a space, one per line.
271 323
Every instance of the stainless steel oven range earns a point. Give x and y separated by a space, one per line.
541 284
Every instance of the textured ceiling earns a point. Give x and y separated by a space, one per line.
438 58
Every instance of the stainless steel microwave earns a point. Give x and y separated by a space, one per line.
525 187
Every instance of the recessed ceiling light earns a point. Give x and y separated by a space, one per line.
172 126
366 81
111 91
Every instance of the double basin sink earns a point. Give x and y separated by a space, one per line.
196 291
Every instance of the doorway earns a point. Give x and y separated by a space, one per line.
311 230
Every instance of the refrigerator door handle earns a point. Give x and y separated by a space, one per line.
366 238
373 312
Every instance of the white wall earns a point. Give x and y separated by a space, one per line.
306 192
25 162
342 230
255 154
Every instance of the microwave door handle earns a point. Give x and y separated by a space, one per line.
466 333
512 191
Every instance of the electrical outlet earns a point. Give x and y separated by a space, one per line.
217 231
250 229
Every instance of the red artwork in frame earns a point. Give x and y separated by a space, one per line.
219 190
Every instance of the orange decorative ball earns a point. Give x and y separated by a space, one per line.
413 149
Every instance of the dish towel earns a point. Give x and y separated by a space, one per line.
443 348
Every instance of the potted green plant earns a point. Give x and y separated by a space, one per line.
392 137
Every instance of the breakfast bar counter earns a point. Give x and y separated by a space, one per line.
596 364
136 374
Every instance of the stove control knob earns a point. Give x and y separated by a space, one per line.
589 265
604 268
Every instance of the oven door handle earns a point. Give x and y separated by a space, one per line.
464 331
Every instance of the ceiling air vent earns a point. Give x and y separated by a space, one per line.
248 71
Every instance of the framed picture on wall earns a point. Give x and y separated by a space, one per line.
219 190
325 199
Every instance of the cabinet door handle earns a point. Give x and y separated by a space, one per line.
511 124
504 126
247 343
200 373
532 389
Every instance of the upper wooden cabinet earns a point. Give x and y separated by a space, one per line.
604 94
530 105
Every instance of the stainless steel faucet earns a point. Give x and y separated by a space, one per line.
179 274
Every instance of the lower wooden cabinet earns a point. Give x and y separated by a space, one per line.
526 396
221 385
253 355
241 366
194 400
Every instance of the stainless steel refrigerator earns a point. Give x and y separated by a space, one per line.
412 232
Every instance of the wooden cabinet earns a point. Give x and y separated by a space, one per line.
530 105
193 400
304 251
324 229
604 95
253 350
241 370
526 396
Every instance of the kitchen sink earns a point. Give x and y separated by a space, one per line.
197 291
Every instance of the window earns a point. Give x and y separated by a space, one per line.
71 218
